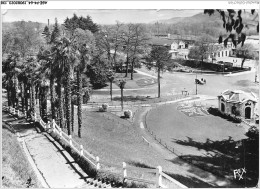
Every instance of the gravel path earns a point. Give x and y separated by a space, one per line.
56 166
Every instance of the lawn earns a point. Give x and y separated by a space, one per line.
208 141
16 169
115 143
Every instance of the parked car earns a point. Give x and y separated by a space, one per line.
200 81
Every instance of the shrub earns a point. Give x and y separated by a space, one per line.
128 113
103 108
253 133
217 112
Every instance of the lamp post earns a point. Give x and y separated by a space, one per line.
122 86
196 84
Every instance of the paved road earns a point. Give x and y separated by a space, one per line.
175 82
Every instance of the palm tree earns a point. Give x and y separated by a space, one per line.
122 86
67 59
11 71
83 44
32 70
49 54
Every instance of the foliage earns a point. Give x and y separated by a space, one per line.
217 112
253 133
158 58
128 114
209 66
232 21
86 94
22 37
71 24
203 48
97 73
103 108
246 52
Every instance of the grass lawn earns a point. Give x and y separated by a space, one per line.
16 170
116 143
138 81
207 141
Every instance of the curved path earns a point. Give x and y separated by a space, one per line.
201 176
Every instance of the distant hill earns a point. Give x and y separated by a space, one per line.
201 23
173 20
201 17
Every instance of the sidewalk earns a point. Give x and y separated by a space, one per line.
240 73
55 165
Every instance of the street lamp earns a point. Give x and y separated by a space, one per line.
122 86
196 84
196 80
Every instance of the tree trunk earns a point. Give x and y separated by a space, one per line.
79 81
68 97
13 94
132 71
44 102
40 101
122 102
30 95
52 93
26 95
22 95
72 116
60 99
127 63
242 63
37 88
111 90
201 65
33 97
159 85
9 101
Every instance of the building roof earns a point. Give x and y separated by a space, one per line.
162 41
255 37
238 96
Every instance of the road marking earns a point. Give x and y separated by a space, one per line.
141 125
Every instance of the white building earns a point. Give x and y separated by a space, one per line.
234 101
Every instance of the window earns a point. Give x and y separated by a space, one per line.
218 54
226 53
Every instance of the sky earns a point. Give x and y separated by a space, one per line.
105 16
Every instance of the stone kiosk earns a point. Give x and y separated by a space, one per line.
239 103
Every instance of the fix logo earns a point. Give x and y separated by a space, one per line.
239 173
